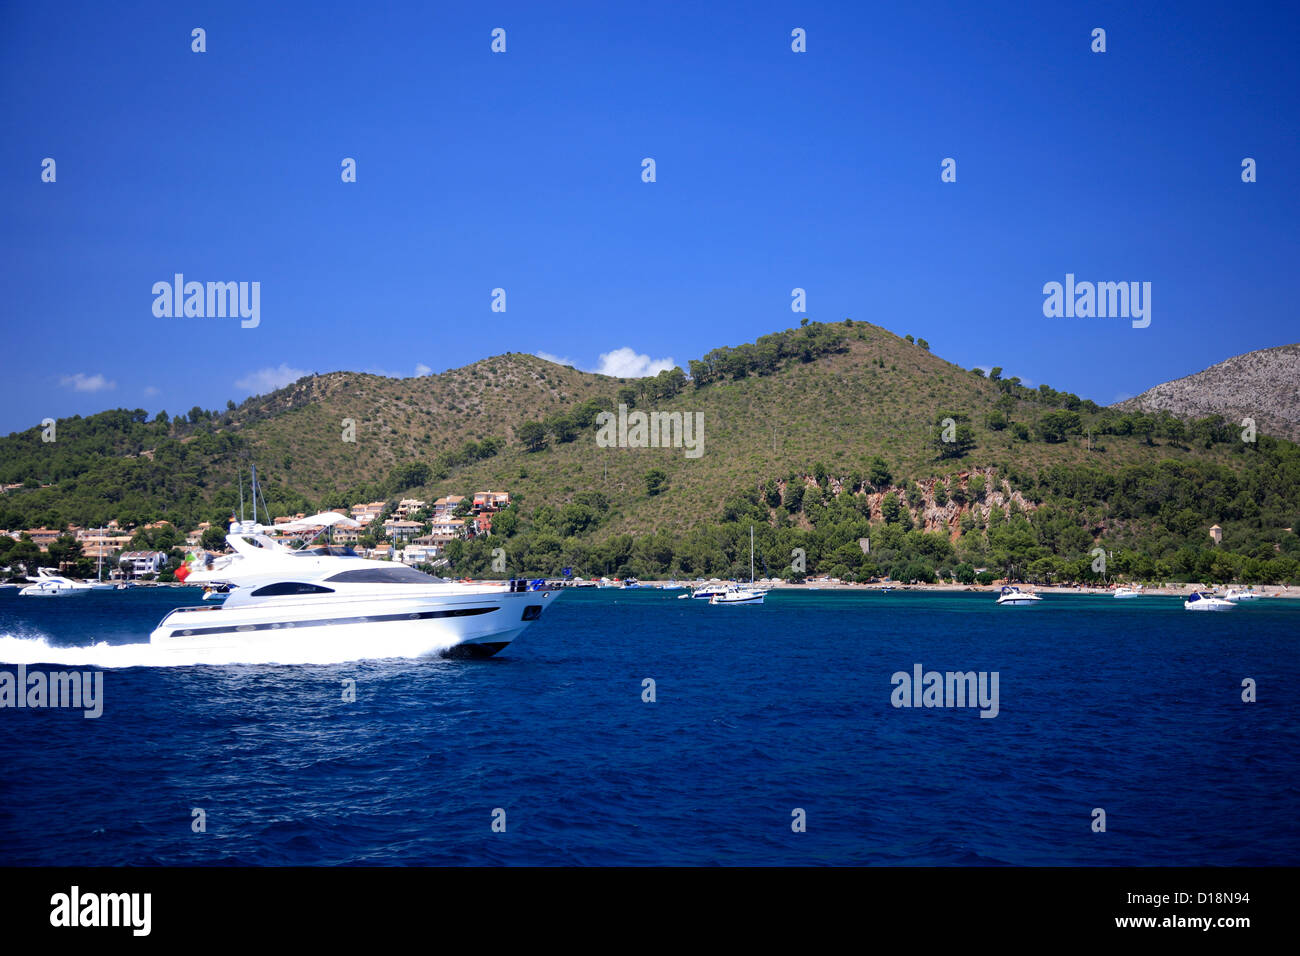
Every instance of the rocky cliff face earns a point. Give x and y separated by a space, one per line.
927 514
1263 385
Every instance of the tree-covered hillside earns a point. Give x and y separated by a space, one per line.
821 436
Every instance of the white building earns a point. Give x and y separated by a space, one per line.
408 506
420 554
137 563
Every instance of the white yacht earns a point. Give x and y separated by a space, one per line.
706 592
1129 591
1012 595
1242 594
298 599
49 583
1205 601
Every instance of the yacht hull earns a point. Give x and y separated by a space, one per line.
1237 597
473 625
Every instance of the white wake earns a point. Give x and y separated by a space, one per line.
18 649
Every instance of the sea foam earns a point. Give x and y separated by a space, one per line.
20 649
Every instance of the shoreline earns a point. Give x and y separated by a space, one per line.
1171 590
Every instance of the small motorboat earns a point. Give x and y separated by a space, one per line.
1242 594
1129 592
1205 601
739 595
1013 596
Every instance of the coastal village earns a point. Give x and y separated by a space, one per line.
412 531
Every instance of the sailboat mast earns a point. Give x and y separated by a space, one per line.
256 494
751 554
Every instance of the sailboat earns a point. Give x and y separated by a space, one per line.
734 593
100 584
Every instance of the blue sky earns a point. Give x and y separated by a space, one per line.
522 170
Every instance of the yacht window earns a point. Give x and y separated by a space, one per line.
290 587
393 575
322 551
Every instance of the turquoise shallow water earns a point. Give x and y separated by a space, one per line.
1130 706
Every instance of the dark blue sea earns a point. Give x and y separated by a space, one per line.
1134 707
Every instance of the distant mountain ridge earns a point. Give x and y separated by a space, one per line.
1263 385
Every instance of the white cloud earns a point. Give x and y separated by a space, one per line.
87 383
151 390
626 363
556 359
420 369
269 379
623 362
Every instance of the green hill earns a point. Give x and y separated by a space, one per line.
818 408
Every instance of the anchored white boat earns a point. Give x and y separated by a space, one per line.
1012 595
706 592
300 598
737 594
1242 594
1205 601
49 583
1129 592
